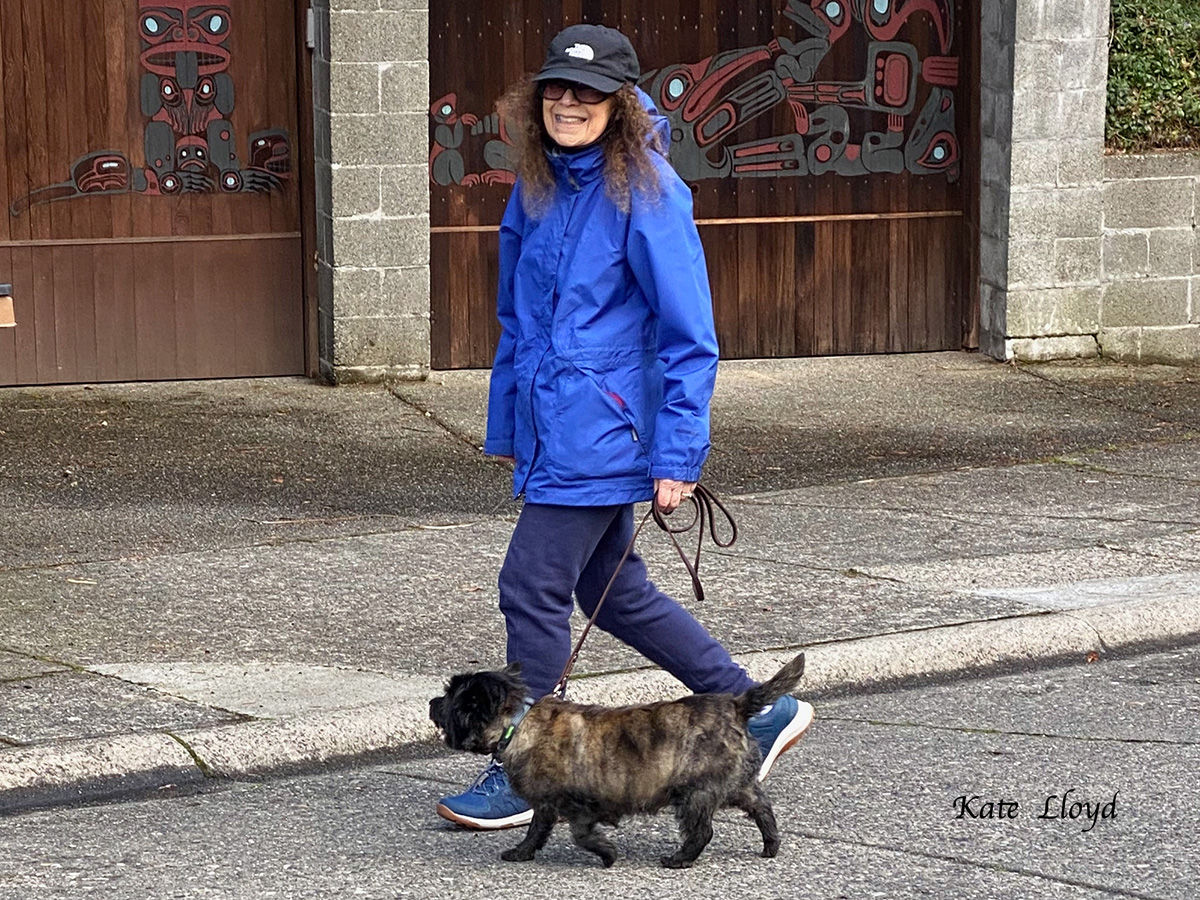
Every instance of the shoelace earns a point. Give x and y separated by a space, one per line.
489 780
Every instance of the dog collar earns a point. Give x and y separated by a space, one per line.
507 737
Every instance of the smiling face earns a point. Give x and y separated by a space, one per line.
570 123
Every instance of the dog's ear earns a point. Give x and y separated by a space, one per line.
513 668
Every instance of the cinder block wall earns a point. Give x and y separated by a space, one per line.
1053 284
323 158
374 208
1151 307
996 111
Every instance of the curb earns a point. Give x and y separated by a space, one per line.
113 767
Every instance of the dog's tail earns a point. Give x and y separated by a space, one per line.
784 682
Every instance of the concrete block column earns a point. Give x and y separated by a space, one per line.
1044 81
373 210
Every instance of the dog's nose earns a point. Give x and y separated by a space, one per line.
436 706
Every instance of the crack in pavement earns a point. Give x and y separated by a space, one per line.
1100 398
975 864
919 512
1121 473
1000 732
847 572
127 556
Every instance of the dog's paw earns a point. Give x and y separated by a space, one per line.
607 859
675 862
517 854
770 851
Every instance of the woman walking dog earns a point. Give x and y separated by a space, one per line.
601 384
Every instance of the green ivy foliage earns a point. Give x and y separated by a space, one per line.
1154 75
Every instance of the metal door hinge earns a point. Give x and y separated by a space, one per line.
312 29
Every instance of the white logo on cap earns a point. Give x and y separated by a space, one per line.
581 51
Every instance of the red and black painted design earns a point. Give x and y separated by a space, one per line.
187 97
707 103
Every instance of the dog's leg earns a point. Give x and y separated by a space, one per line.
755 802
695 813
586 836
544 818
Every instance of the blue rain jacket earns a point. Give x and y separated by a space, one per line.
608 354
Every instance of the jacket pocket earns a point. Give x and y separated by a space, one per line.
597 432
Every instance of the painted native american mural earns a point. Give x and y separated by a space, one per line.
708 102
187 96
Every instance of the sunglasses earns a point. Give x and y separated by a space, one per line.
553 90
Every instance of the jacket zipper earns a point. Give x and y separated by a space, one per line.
624 407
533 422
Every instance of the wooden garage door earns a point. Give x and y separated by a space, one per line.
825 142
150 224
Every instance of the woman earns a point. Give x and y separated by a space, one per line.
601 384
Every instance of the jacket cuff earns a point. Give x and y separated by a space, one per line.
497 447
687 474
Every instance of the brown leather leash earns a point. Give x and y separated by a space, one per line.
703 502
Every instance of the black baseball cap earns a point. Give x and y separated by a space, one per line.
591 55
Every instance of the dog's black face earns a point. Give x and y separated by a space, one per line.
471 711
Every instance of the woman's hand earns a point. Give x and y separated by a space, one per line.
668 493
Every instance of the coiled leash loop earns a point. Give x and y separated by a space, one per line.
703 501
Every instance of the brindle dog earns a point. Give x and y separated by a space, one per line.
594 764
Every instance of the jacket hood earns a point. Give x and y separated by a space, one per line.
662 127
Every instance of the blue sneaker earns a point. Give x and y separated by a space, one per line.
488 804
778 728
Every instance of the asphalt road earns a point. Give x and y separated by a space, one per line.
1066 783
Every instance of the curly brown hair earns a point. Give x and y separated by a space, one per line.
629 141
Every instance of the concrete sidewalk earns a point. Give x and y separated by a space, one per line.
239 578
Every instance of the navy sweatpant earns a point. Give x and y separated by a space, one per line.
557 551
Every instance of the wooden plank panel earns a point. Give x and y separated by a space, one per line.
81 298
181 258
482 270
284 348
721 252
122 128
42 290
124 304
108 331
36 112
805 303
937 293
897 291
462 289
12 98
440 322
96 112
842 299
5 218
254 104
154 293
746 267
280 112
214 349
824 286
25 308
66 44
779 281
